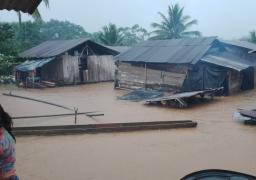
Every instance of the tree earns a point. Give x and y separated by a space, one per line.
30 34
15 38
6 39
36 15
133 35
27 35
252 37
111 35
175 25
63 30
7 50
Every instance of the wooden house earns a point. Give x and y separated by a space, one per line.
67 62
189 64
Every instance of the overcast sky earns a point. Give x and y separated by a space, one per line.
229 19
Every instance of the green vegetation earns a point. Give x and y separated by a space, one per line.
133 35
16 37
19 36
111 35
6 37
252 37
175 25
121 36
7 49
30 34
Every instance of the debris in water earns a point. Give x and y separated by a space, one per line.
246 116
141 95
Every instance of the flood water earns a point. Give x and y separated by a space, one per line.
217 143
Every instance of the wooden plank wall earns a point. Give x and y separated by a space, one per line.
165 78
70 69
100 68
53 71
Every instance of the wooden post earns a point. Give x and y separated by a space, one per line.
146 76
75 109
33 78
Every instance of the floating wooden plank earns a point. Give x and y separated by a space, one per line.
102 128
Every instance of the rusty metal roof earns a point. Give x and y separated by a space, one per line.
187 50
26 6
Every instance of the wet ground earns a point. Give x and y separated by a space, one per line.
217 142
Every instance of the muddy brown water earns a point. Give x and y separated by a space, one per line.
217 142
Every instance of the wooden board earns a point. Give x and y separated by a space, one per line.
100 68
102 128
138 76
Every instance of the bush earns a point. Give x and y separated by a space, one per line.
7 64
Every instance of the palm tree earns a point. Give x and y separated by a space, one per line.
175 25
252 37
111 35
36 15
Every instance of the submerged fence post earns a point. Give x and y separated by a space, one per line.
76 110
146 76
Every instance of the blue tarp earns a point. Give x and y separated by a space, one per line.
32 64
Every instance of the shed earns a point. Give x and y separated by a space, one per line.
67 62
183 65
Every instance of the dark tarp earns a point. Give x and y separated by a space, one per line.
232 63
215 174
205 76
248 79
32 65
141 95
244 66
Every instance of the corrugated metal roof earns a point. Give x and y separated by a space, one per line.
226 62
52 48
244 44
32 65
119 49
58 47
187 50
27 6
